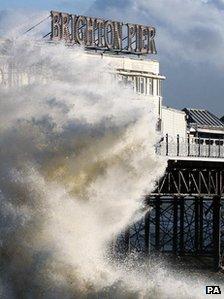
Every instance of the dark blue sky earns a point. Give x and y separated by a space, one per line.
190 41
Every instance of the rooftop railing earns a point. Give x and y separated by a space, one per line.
190 147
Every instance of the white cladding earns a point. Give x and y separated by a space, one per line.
143 75
173 122
133 65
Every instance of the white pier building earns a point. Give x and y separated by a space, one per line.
188 133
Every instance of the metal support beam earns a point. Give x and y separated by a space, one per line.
201 224
181 250
197 224
217 232
127 241
186 219
147 232
175 224
167 145
157 223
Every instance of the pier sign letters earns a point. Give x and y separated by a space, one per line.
100 34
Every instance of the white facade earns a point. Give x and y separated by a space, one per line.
143 75
174 123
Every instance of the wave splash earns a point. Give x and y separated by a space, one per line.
77 157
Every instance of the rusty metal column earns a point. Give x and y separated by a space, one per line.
197 224
178 144
147 232
182 203
188 145
127 241
217 231
217 223
201 223
199 147
148 201
175 224
167 145
157 222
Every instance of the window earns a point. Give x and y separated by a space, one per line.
149 86
159 87
137 84
142 85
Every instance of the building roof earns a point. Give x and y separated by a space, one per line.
173 109
202 118
222 119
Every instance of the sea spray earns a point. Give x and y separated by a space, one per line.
77 159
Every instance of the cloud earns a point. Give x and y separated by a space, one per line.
190 42
218 3
193 30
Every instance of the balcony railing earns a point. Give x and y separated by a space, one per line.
190 147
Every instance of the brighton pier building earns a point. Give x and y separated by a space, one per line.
187 218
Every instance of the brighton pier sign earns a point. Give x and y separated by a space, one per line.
100 34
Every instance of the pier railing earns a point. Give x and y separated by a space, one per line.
190 147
